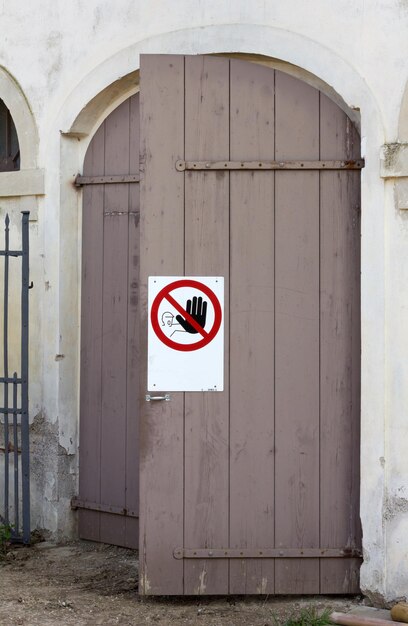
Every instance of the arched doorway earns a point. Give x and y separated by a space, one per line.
267 471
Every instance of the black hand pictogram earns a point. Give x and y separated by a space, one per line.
198 311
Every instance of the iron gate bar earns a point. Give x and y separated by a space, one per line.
15 443
5 366
265 553
25 455
12 450
181 166
11 253
106 180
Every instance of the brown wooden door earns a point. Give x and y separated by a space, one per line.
109 450
254 490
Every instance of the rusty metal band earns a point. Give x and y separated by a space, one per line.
182 166
101 508
266 553
106 180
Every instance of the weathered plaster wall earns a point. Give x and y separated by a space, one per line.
61 55
395 508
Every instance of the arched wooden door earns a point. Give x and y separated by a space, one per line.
108 499
253 490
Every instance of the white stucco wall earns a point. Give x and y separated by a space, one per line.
58 56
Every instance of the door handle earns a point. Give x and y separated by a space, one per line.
150 398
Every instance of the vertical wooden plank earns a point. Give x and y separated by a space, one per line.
133 352
162 253
296 336
206 473
339 351
114 351
91 340
252 328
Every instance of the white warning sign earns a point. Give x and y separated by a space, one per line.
186 333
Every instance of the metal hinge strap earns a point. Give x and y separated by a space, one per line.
106 180
76 503
182 166
265 553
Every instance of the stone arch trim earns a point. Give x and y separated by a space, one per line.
100 106
116 78
29 180
103 103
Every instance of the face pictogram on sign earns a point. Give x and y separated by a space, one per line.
196 308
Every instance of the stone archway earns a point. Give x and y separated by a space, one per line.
273 43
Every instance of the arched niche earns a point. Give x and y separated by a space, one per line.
9 144
28 180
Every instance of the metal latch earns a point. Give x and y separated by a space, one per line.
150 398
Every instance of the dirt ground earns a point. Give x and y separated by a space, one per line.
85 583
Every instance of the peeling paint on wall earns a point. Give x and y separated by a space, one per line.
53 479
391 151
395 505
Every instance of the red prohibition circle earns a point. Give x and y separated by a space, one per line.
163 293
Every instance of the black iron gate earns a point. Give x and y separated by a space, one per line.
15 510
